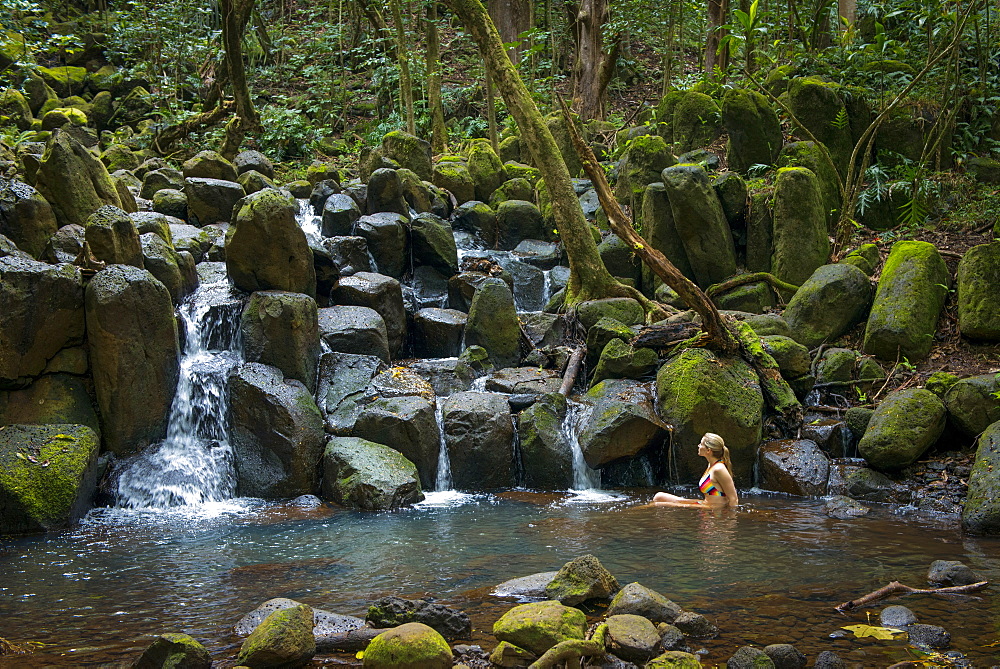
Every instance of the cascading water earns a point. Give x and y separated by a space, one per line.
194 464
442 481
584 478
308 221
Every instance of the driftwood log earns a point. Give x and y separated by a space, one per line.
665 335
897 588
568 653
572 369
354 640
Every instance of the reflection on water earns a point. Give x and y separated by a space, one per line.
772 572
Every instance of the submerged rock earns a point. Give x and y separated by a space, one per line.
951 572
324 622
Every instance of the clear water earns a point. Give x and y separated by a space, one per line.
771 573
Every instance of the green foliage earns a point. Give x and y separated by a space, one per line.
286 132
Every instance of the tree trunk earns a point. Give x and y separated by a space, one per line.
439 132
718 12
848 12
592 66
511 17
405 84
235 16
589 278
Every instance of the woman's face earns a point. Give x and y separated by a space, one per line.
703 450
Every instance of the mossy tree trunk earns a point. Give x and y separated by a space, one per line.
405 83
439 132
235 17
589 278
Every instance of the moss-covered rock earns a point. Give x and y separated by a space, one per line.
409 151
113 237
978 284
478 434
674 659
407 424
700 223
580 580
632 638
65 81
15 107
792 357
940 383
364 475
284 639
696 121
48 476
538 626
981 511
409 646
211 200
456 179
903 426
661 232
866 258
209 164
619 360
25 217
59 397
753 127
622 423
174 270
830 302
557 126
515 188
644 159
546 456
518 220
622 309
639 600
174 651
63 116
818 106
698 392
282 329
909 298
973 403
810 156
74 181
485 168
799 239
493 323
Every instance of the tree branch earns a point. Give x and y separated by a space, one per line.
897 588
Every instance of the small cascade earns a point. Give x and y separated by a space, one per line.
308 221
442 481
547 287
584 478
194 464
479 384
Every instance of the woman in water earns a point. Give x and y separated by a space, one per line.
716 483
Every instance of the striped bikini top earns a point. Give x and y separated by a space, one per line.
708 487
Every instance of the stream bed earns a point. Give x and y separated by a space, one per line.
771 573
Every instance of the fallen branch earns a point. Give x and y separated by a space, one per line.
897 588
571 650
354 640
664 335
178 131
572 369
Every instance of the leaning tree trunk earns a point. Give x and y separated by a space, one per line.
235 16
589 278
439 132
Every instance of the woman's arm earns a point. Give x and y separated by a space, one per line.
725 481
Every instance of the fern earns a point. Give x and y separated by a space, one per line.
841 121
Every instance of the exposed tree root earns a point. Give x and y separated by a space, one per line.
165 138
777 285
571 650
897 588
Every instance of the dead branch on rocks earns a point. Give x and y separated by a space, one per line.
572 369
897 588
354 640
664 335
777 285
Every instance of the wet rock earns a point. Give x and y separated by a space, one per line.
64 246
340 213
904 425
26 218
519 380
409 645
73 181
485 168
350 329
479 435
170 269
409 151
785 656
433 243
829 660
171 202
254 160
869 485
793 466
159 179
910 296
437 333
134 355
831 435
508 655
319 195
525 586
582 579
639 600
518 220
843 508
343 380
538 626
394 611
981 513
408 425
361 474
928 636
42 313
830 302
174 650
385 193
543 255
277 433
48 476
282 330
661 232
493 323
632 638
973 404
623 422
381 293
284 638
671 638
479 219
695 625
400 382
546 456
211 200
620 360
266 249
113 237
748 657
388 241
896 616
349 254
53 397
951 572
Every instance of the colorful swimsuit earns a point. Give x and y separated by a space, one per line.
708 487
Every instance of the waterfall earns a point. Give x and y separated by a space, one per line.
584 478
442 481
194 464
308 221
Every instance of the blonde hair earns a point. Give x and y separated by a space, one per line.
717 445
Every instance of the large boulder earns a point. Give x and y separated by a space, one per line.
42 313
26 218
644 159
981 512
364 475
276 433
388 241
340 213
701 224
903 426
620 360
622 423
48 476
438 333
538 626
433 243
636 599
546 455
409 151
265 247
174 270
518 220
485 168
978 283
909 298
810 156
696 121
174 650
343 380
454 177
350 329
974 403
209 164
754 130
799 240
408 646
211 200
582 579
632 638
818 106
282 329
284 639
385 193
381 293
661 232
134 355
493 323
113 237
699 391
74 181
479 436
829 303
407 424
793 466
63 397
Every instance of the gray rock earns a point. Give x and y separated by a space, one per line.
364 475
340 213
113 237
532 586
160 179
282 330
349 254
785 656
829 660
830 302
639 600
622 423
632 638
437 333
748 657
343 380
843 508
170 269
518 220
433 243
209 165
928 636
696 626
254 160
351 329
394 611
381 293
896 616
211 200
479 436
546 455
793 466
671 638
388 241
385 193
26 218
407 424
951 572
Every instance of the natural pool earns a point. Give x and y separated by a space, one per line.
771 573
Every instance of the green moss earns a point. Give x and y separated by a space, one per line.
284 637
520 171
486 169
696 123
981 511
540 625
455 178
978 282
409 646
940 382
754 130
903 426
